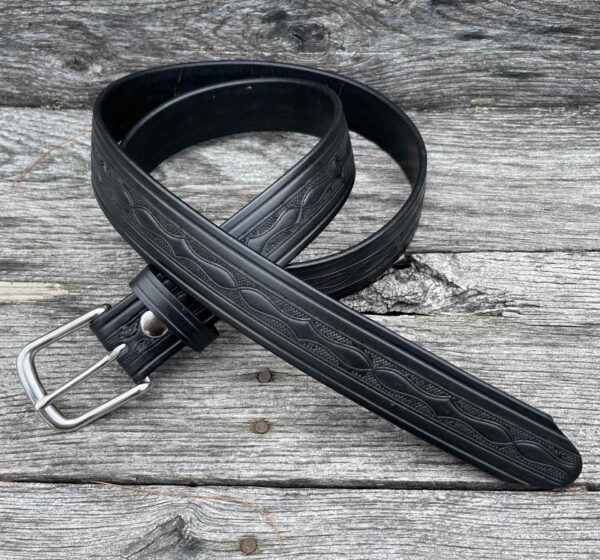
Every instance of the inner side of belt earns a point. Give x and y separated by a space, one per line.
240 272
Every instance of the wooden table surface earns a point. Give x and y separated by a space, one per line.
502 279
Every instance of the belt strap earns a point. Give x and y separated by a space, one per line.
240 272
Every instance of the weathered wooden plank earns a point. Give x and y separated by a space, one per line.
539 288
196 425
539 312
93 521
436 54
502 181
498 180
554 288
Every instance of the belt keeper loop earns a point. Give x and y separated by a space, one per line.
168 308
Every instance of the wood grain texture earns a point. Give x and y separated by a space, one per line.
498 180
196 424
424 54
554 288
91 521
525 321
501 280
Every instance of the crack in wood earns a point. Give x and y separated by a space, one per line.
415 287
173 536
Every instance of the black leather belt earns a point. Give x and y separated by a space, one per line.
239 272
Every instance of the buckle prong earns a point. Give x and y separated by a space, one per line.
108 359
43 401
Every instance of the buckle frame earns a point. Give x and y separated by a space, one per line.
42 400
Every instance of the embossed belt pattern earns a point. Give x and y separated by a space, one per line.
241 272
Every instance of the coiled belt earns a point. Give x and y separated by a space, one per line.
239 272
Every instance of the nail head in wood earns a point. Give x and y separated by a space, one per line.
264 375
248 545
261 426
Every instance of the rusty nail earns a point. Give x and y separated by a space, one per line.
261 426
248 545
264 375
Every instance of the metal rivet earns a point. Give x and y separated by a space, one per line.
261 427
151 325
264 375
248 545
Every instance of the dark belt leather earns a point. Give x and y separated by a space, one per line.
240 272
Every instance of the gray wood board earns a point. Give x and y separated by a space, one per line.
196 424
525 321
501 279
94 521
526 180
438 54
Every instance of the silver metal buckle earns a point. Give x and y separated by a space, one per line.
43 401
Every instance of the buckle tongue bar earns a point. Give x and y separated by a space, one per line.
43 401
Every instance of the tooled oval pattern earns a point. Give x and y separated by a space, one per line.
219 275
276 228
465 428
517 433
243 281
